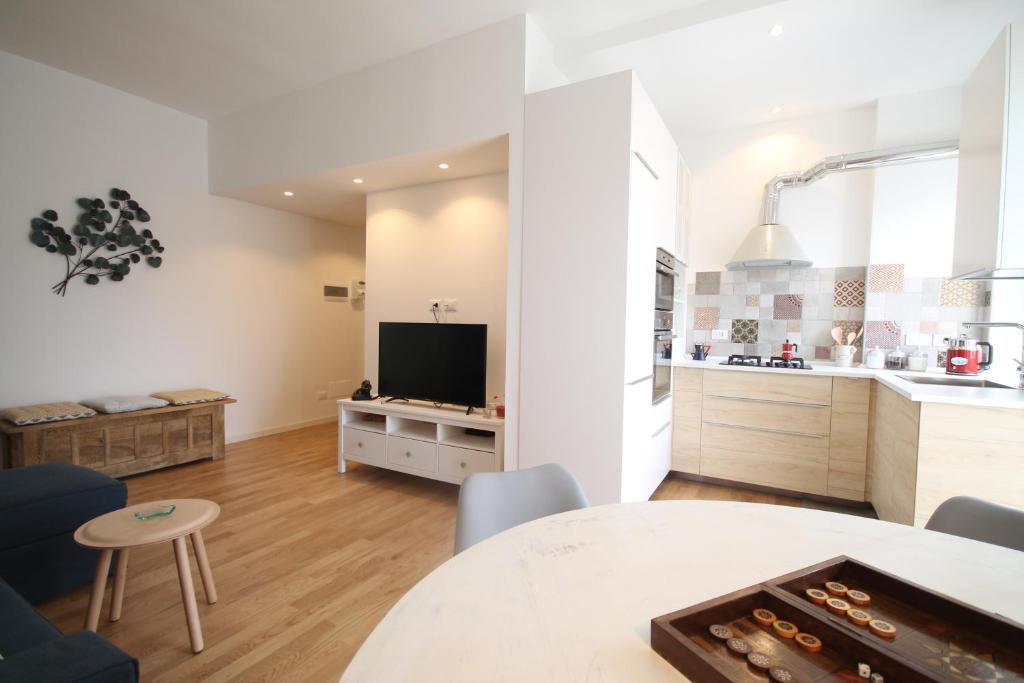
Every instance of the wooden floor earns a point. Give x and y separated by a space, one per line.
306 561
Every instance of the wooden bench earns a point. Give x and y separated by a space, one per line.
120 444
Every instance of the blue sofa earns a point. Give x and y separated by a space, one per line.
35 651
40 508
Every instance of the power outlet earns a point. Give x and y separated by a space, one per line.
321 395
719 335
433 304
450 305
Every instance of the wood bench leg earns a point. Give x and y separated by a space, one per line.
199 548
99 586
188 594
120 577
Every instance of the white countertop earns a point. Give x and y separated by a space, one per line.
923 393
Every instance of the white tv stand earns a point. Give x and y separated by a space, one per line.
419 438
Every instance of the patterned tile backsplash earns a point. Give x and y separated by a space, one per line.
760 309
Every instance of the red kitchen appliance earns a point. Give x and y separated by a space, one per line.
964 357
789 350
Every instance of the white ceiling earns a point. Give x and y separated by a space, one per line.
333 196
832 54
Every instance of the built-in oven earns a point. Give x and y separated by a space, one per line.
662 366
665 281
664 302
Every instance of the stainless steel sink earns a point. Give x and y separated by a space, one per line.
954 382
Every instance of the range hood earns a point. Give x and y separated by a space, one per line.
771 245
989 236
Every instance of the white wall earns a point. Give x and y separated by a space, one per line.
462 90
542 72
237 305
830 218
439 241
914 210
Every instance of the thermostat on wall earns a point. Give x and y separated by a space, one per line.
358 289
336 292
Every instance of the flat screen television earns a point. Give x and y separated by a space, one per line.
439 362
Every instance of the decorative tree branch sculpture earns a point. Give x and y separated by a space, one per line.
97 228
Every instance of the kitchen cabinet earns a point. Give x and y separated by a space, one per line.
989 237
599 196
799 433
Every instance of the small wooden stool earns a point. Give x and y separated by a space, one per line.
122 530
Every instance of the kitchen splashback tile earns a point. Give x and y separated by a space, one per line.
962 293
705 318
848 326
847 293
787 307
744 331
753 300
709 282
822 352
851 273
885 334
793 326
885 277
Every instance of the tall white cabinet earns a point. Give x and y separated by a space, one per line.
599 196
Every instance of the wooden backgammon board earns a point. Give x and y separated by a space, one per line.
840 620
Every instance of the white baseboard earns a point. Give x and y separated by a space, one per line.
278 430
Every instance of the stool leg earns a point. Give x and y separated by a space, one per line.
99 585
188 594
199 548
120 577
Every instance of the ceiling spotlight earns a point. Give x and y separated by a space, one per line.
442 165
776 109
357 181
775 31
289 193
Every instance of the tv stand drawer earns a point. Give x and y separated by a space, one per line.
421 455
363 445
462 462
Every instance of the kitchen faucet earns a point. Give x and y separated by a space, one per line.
1020 361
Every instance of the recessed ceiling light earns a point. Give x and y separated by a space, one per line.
776 109
357 181
289 193
442 165
775 31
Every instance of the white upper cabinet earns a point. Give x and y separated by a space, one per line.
989 240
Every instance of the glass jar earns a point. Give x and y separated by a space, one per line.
896 360
918 360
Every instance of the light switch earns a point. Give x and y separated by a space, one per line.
719 335
450 305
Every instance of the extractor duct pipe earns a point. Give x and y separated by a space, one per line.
771 245
851 162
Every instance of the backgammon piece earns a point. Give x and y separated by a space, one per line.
859 617
808 642
877 678
882 629
858 597
720 632
784 629
817 596
836 588
764 617
759 660
864 671
837 606
738 646
780 675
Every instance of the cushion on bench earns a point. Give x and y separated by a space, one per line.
188 396
46 412
123 404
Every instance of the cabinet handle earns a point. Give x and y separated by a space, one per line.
650 169
359 444
765 429
638 381
462 465
408 454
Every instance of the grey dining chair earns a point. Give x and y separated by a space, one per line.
980 520
490 502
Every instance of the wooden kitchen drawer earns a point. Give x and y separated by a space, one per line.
795 462
784 417
686 409
421 455
363 445
848 442
687 380
787 387
461 462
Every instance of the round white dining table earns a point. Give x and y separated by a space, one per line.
571 597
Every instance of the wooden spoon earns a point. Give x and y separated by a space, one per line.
837 334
